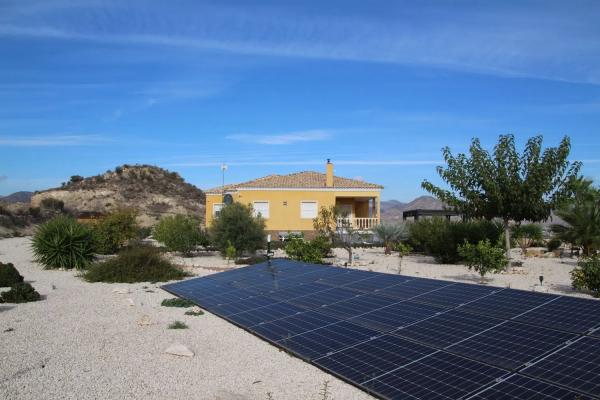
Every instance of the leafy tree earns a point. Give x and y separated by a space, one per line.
326 222
506 184
483 257
180 233
114 230
389 234
236 224
21 292
582 214
76 178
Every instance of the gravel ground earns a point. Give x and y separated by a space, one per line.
84 341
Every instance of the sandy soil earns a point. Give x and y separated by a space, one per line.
84 341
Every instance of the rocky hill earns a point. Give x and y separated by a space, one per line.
150 190
391 210
17 197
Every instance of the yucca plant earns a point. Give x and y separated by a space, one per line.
62 242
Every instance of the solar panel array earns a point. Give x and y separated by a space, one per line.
402 337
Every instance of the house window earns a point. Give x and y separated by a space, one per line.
261 208
308 209
217 207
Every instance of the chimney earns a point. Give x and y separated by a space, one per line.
329 174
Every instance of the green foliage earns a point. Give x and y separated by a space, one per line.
114 230
311 251
50 203
586 276
440 238
582 214
134 264
553 244
62 242
180 233
527 235
483 257
143 232
178 325
403 249
230 251
236 224
389 234
177 302
194 313
326 221
20 293
506 184
76 178
9 275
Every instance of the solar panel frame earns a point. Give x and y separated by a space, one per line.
518 387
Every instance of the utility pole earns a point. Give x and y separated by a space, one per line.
223 169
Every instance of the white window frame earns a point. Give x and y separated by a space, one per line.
214 211
316 208
268 208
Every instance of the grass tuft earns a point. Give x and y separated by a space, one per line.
194 313
177 302
178 325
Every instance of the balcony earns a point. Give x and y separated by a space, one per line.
359 224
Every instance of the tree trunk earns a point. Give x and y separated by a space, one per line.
349 249
507 238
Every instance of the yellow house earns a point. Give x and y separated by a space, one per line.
288 203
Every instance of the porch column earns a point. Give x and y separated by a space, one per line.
378 210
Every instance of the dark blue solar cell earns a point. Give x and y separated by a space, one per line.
507 303
268 313
371 358
376 283
347 277
576 366
296 291
357 305
438 376
319 299
294 325
447 328
241 305
511 345
396 315
322 341
519 387
412 288
455 295
567 313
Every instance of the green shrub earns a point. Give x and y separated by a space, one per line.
389 234
483 257
586 276
114 230
180 233
178 325
50 203
194 313
440 238
143 232
236 224
553 244
311 251
20 293
177 302
134 264
62 242
9 275
230 251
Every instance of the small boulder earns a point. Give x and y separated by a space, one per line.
179 350
121 290
130 302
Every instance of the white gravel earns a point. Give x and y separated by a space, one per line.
85 341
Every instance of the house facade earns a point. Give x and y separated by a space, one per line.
289 203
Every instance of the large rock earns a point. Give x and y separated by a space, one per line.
179 350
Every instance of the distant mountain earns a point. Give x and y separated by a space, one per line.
391 210
150 190
17 197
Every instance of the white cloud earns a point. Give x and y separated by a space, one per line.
284 138
52 140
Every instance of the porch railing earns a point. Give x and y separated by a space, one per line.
361 224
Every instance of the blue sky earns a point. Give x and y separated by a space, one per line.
276 87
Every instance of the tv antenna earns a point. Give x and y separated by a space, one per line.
223 169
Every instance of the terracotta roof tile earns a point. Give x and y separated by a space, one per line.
299 180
